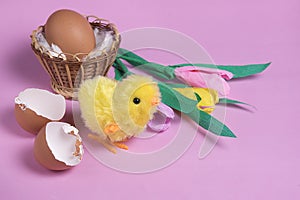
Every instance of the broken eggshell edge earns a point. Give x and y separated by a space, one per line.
34 108
58 146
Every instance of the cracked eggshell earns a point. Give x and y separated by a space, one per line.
58 146
34 108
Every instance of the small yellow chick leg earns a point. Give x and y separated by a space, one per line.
121 145
103 142
111 128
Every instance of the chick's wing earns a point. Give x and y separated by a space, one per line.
95 99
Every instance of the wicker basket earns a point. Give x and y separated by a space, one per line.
67 74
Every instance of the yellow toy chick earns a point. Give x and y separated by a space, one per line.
117 111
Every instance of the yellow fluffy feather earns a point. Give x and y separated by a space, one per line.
116 111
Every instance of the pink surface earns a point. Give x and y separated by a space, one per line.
262 163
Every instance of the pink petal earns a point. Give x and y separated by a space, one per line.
217 83
162 118
223 73
208 78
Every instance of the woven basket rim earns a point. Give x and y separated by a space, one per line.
95 22
104 55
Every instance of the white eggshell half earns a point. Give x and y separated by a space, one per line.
64 142
42 102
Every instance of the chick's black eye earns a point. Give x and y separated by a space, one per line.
136 100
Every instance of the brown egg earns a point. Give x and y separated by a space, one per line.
70 31
58 146
34 108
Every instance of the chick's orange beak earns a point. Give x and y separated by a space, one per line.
155 101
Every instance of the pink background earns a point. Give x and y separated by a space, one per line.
262 163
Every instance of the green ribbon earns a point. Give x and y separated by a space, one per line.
232 101
167 72
133 58
152 68
176 100
210 123
120 69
